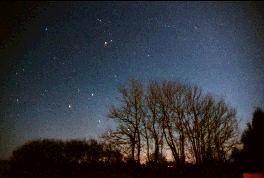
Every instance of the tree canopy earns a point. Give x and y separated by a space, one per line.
172 116
253 144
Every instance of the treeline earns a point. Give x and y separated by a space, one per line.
50 157
172 117
164 129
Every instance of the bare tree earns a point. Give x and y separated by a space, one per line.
146 135
153 119
211 126
171 104
129 116
179 115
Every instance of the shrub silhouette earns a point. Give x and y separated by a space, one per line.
41 156
54 157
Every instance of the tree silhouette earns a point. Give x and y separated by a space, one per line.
48 157
38 156
176 116
252 139
153 121
129 117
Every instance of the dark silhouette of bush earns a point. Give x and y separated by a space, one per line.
4 168
111 156
42 158
34 157
159 160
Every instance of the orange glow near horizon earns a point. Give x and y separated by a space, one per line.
253 175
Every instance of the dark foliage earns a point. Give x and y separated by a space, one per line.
252 155
44 158
4 168
53 158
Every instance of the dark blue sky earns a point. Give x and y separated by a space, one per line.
61 63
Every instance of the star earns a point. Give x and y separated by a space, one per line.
106 44
70 106
115 78
92 94
99 123
46 28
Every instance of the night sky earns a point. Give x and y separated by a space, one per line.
61 63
